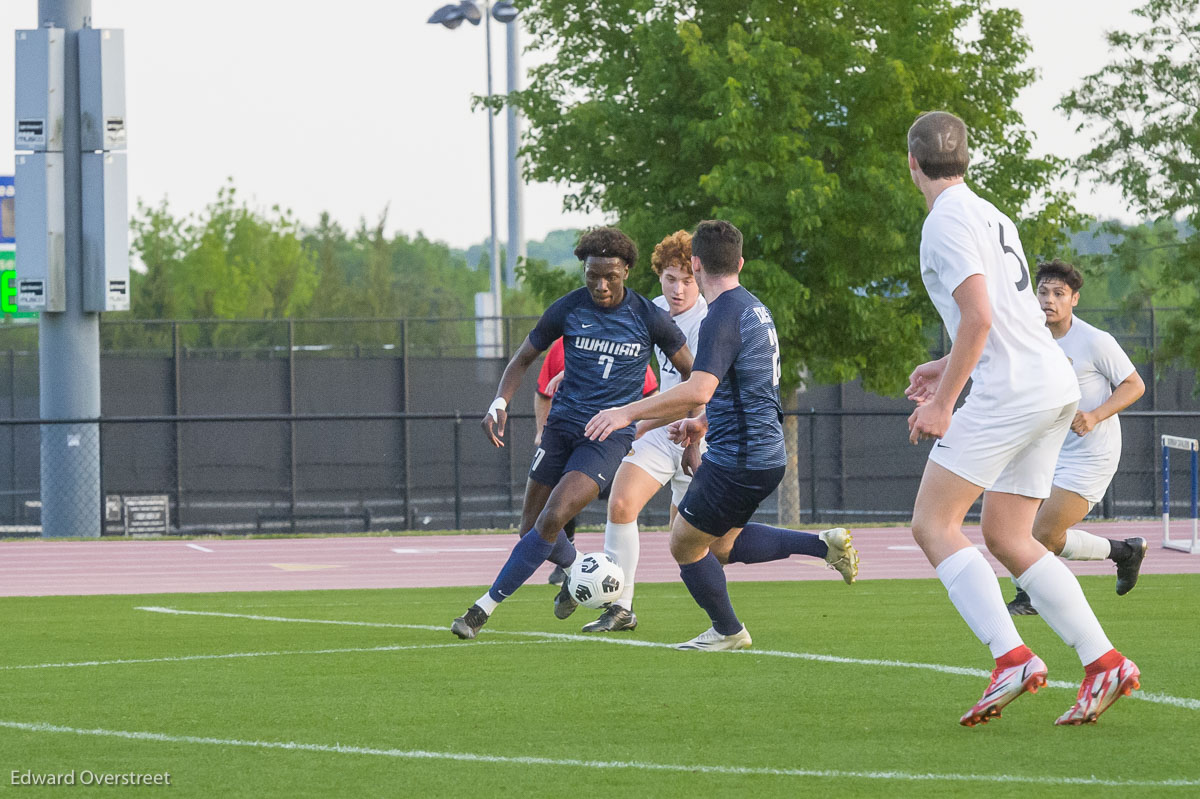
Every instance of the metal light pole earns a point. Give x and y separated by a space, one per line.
497 280
69 342
451 16
516 220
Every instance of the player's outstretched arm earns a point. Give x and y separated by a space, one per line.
541 412
672 404
494 420
682 360
1127 392
931 419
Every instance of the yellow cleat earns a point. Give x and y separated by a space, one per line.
842 555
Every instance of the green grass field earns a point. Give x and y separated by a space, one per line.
391 708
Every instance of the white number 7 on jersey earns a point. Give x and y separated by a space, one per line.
607 360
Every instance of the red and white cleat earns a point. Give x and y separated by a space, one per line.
1006 685
1100 689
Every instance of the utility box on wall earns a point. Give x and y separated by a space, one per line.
40 90
102 89
105 233
41 233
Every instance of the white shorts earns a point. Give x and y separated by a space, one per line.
661 458
1088 475
1008 453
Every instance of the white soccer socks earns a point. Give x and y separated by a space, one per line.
975 592
1057 596
621 544
1082 545
487 604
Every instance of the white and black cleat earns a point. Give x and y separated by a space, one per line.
1130 567
468 625
564 603
614 619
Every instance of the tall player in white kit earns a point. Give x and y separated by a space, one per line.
1003 442
1109 384
655 460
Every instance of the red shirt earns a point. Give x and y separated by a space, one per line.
555 363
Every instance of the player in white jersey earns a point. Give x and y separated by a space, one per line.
655 460
1092 450
1003 441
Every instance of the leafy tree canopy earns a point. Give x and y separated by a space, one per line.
233 261
788 119
1143 110
230 262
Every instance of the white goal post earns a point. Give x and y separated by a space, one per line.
1191 446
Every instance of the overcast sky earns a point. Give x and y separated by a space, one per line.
357 105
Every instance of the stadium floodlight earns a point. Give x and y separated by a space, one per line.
450 16
470 12
476 12
505 12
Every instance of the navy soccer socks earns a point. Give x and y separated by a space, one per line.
760 543
705 579
563 553
529 553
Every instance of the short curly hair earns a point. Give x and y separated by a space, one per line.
674 250
607 242
1059 270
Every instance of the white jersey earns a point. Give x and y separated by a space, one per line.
689 322
1099 364
1020 369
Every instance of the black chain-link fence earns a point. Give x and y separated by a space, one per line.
394 471
350 424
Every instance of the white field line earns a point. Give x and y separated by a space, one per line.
199 548
418 754
1158 698
236 655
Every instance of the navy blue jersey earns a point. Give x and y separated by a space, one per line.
605 349
738 344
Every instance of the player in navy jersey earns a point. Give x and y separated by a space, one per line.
737 374
608 332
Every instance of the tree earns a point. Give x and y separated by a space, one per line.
1128 274
367 275
788 119
231 262
1144 111
235 262
548 283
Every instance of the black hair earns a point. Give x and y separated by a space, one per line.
607 242
1059 270
718 245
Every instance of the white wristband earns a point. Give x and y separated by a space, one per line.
498 404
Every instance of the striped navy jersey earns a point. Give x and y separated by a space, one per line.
605 349
738 344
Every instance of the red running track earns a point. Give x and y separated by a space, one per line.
73 568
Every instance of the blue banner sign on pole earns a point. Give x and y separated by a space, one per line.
8 240
8 233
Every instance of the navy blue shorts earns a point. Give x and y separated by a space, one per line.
566 449
720 499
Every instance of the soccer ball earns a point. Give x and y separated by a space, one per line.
595 580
